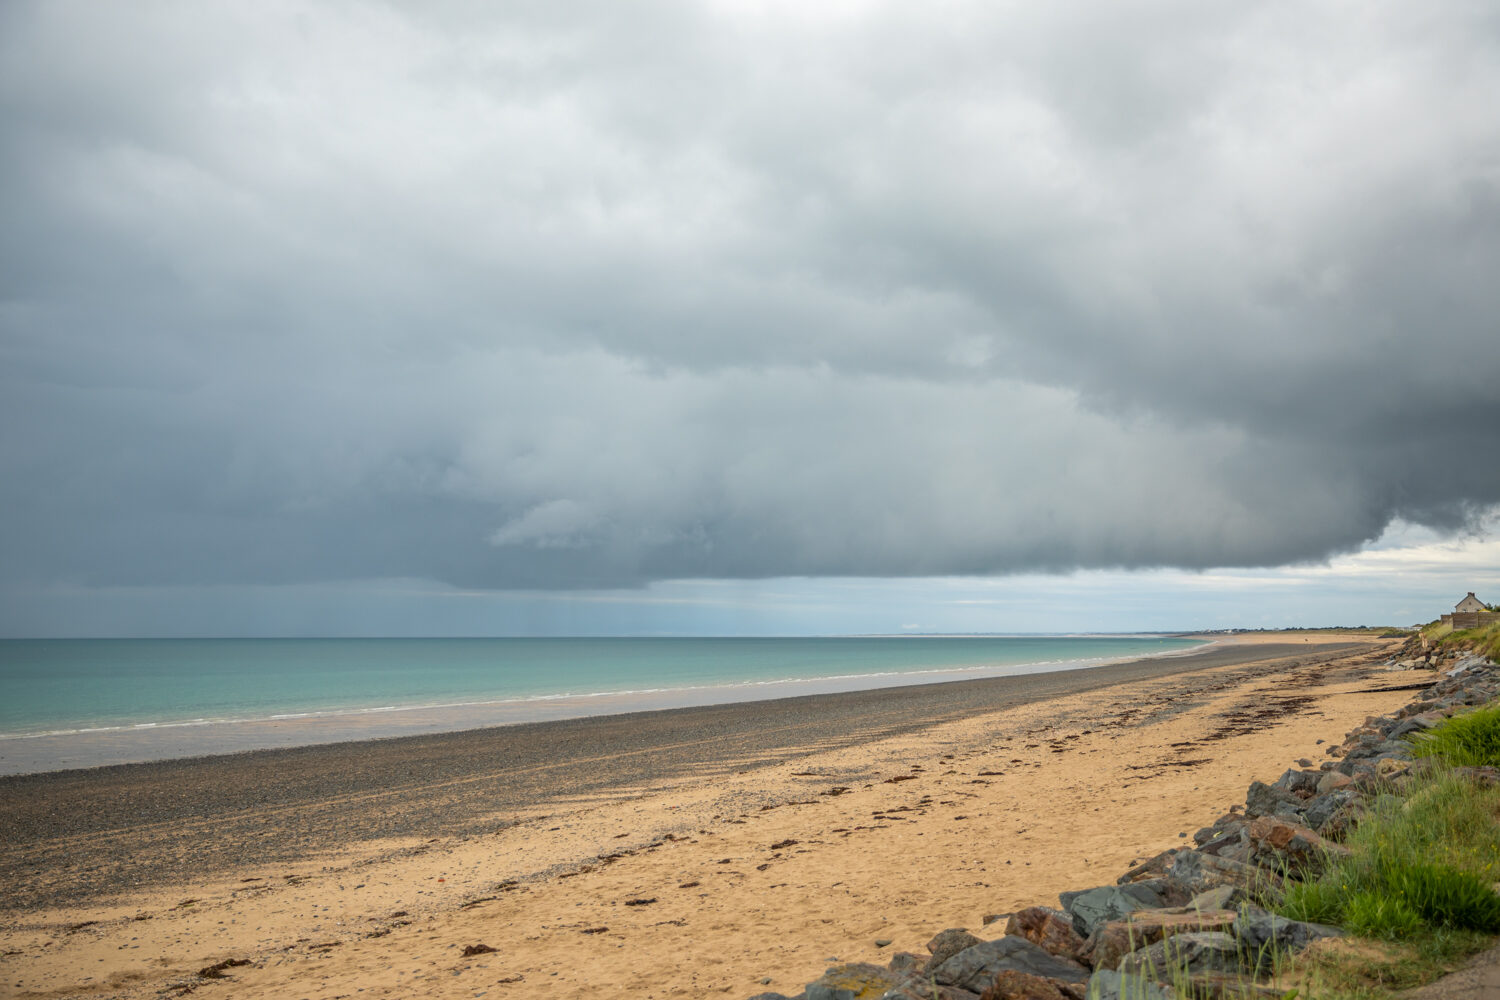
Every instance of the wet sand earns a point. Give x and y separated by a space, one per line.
524 837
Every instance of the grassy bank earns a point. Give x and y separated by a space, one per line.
1485 641
1416 892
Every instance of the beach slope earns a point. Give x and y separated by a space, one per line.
667 854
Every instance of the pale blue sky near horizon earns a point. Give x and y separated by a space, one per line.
1408 577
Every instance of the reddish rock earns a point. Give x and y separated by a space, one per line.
976 968
1279 844
1049 928
1012 985
948 943
1113 941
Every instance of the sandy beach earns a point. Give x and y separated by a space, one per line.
665 854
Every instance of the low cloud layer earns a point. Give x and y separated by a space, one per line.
559 297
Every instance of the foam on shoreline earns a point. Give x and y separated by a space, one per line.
26 753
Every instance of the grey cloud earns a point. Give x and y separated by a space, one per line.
589 297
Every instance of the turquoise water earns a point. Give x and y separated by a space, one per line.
61 686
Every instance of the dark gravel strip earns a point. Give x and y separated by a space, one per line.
74 835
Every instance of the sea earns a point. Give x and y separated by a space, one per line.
85 702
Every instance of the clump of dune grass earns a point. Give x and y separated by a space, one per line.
1485 641
1315 902
1415 892
1468 740
1418 863
1371 915
1435 631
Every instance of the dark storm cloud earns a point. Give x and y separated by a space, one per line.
568 296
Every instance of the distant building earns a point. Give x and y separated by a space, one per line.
1471 613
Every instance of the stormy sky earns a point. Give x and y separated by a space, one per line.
313 316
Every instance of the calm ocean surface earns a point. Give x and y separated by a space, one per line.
60 687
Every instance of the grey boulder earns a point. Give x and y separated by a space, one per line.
1223 897
1107 984
923 988
1264 935
1197 872
1295 781
1322 810
851 981
1205 951
975 968
1092 907
1268 800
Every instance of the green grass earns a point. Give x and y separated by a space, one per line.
1443 896
1436 630
1418 881
1441 819
1468 740
1485 641
1315 903
1369 915
1417 890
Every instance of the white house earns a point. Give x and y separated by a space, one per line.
1468 604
